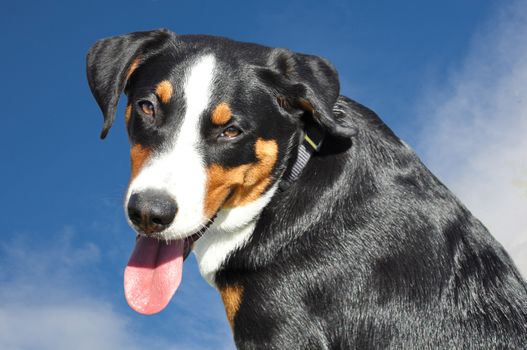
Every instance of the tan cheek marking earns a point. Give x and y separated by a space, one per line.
246 182
128 113
220 180
232 298
221 114
258 176
164 91
133 67
138 155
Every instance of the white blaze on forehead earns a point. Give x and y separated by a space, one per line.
180 169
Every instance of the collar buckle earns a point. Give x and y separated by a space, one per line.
313 137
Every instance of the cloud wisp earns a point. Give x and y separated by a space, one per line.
45 307
53 298
475 133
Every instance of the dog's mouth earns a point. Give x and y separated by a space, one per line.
154 271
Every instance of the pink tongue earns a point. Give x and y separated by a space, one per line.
153 274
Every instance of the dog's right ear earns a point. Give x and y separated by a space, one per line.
111 61
306 83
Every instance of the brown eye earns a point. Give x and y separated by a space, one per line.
147 107
231 132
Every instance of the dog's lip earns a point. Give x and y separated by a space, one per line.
189 241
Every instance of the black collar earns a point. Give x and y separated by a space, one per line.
311 143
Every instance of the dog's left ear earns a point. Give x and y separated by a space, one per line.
110 62
307 83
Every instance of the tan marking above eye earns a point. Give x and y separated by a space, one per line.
138 156
164 91
221 114
244 183
232 298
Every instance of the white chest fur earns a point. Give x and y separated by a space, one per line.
214 248
230 231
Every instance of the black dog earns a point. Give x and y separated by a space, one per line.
320 228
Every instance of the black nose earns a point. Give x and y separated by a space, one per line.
151 211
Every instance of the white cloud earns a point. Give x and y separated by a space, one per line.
54 259
52 298
45 307
475 138
66 325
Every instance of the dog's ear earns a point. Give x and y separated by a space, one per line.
307 83
111 61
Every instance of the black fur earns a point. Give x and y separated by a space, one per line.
108 61
367 250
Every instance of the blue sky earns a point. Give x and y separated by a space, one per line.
449 77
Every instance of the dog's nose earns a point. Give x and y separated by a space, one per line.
151 211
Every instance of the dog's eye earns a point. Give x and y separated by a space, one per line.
231 132
147 107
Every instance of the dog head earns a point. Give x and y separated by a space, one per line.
211 122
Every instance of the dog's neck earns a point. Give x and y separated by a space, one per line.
233 227
312 138
230 230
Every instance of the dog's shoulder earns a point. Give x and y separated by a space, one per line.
372 243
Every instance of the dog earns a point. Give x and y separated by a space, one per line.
319 227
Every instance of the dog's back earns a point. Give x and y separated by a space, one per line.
368 250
